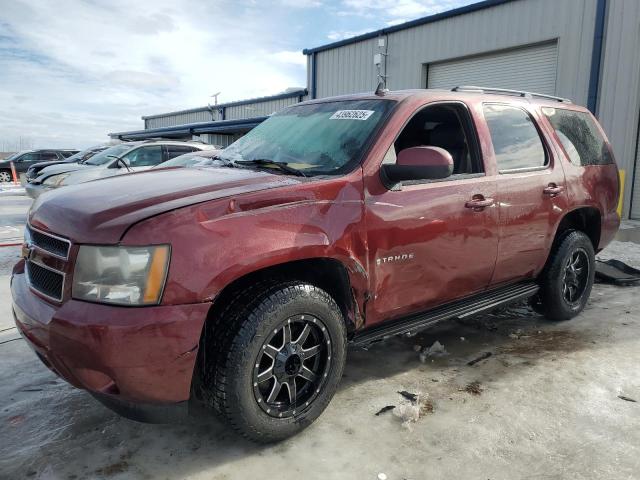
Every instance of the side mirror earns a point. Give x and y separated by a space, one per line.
418 163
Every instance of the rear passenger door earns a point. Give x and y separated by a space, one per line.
531 193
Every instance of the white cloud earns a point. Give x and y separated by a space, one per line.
398 8
72 71
336 35
295 57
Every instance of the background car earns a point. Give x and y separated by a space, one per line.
79 157
117 160
202 158
23 160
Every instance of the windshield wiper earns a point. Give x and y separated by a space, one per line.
265 162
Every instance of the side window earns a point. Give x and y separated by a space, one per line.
580 137
29 157
446 126
47 156
145 156
515 138
174 151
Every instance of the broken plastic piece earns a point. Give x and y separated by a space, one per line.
412 397
479 359
385 409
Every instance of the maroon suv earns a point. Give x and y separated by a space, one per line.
336 221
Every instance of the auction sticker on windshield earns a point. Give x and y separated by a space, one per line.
351 115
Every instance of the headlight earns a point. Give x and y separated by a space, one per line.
55 180
121 275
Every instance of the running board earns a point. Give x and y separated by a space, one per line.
458 309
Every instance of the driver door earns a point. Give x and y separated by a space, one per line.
428 245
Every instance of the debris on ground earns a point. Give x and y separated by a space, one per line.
382 476
626 399
436 350
412 397
474 388
385 409
419 406
484 356
518 334
616 272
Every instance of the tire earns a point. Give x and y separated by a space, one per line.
265 328
567 279
5 176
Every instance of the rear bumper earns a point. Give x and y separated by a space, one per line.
124 356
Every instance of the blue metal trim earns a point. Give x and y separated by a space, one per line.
474 7
221 126
280 96
596 56
314 76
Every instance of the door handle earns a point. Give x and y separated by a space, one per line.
552 190
479 203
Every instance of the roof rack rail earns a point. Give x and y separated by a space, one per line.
505 91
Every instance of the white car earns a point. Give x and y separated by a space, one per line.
116 160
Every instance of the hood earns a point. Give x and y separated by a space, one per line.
101 212
62 168
88 173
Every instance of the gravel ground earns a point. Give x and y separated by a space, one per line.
545 404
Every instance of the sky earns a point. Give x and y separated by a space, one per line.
73 71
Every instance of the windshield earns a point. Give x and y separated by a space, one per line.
104 156
321 138
13 156
89 152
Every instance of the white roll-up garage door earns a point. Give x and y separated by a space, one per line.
531 69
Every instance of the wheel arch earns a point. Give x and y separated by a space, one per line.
329 274
587 219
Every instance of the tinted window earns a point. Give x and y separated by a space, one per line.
145 156
29 157
515 139
174 151
318 138
579 136
46 156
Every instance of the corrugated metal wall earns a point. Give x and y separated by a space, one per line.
350 68
619 100
232 112
533 69
258 109
179 119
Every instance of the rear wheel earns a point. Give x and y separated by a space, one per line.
279 365
5 176
566 282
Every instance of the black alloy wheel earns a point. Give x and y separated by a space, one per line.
292 366
576 276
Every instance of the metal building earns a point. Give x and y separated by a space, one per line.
585 50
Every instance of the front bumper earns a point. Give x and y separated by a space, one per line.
126 356
34 190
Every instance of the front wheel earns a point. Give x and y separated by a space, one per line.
5 176
282 361
565 283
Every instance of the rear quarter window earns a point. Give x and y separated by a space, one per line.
580 136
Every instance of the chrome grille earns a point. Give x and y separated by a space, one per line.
45 280
52 244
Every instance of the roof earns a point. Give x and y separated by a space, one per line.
293 93
474 7
221 126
